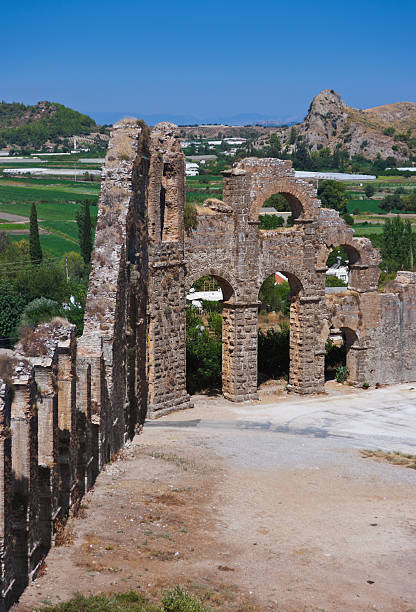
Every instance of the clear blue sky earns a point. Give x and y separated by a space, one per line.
207 58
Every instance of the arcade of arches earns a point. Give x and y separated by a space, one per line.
228 245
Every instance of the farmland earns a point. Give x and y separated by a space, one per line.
57 203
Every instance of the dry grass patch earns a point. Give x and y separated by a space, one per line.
396 458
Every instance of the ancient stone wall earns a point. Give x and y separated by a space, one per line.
67 405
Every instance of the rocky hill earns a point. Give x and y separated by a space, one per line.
40 125
384 130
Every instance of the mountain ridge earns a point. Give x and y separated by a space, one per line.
388 130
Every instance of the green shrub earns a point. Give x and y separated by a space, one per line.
211 306
11 308
334 355
341 374
179 600
274 297
39 311
203 355
176 600
190 216
333 281
215 324
270 221
273 352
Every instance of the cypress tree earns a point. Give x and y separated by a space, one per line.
85 232
34 242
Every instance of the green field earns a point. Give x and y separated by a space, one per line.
371 206
57 204
14 193
368 230
55 245
59 211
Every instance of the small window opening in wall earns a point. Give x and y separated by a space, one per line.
337 274
336 356
162 209
276 212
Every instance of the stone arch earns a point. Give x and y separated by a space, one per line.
301 197
306 361
297 280
223 279
363 262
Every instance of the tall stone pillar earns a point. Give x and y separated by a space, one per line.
90 355
85 455
24 426
307 351
45 374
239 351
67 423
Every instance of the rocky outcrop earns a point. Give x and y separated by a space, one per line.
388 131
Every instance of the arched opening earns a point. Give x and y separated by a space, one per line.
276 341
279 210
339 359
204 334
338 264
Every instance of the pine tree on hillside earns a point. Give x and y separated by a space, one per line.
85 232
34 242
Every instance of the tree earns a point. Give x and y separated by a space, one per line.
333 194
278 202
85 232
11 308
275 149
397 245
391 202
369 190
4 241
34 242
292 135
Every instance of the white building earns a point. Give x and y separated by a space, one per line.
339 271
196 297
192 169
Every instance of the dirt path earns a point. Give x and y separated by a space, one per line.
231 502
12 218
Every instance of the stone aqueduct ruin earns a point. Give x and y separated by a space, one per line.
67 405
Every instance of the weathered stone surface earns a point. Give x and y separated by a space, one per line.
68 405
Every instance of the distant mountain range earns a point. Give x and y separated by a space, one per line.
108 118
389 131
